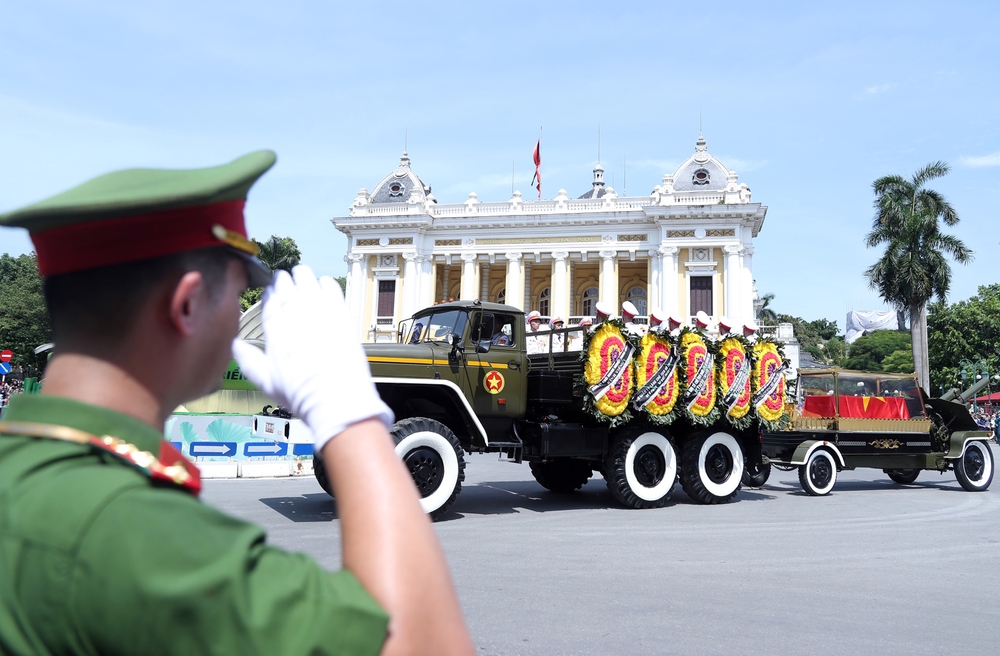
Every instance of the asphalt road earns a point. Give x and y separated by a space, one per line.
873 568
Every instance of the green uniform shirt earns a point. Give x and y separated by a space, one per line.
96 559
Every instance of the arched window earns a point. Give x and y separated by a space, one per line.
502 295
543 302
588 301
638 297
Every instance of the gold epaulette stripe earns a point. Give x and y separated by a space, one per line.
144 460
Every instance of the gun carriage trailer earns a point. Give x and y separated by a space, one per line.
848 419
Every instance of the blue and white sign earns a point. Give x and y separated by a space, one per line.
224 449
4 368
258 449
303 449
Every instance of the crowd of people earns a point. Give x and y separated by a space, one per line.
987 419
9 388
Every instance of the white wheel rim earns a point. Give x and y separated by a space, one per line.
662 444
987 463
444 449
833 471
728 486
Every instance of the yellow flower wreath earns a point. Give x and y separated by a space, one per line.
605 345
653 350
767 363
732 355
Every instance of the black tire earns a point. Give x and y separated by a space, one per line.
435 459
319 471
562 476
641 469
712 468
902 476
819 474
974 470
756 478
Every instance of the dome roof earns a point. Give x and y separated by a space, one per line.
401 185
701 171
597 190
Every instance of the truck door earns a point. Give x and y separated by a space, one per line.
498 374
450 363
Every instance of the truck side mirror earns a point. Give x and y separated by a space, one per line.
456 345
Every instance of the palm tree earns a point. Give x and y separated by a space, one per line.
765 314
279 253
913 268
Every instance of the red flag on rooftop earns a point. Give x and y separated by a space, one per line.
537 156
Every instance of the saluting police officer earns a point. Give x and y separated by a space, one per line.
104 545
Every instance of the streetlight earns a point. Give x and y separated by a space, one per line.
972 368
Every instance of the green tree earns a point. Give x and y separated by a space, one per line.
277 253
868 352
24 321
765 313
968 329
342 280
913 268
900 362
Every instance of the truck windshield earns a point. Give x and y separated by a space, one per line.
441 325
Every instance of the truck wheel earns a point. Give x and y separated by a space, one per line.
319 471
756 478
641 469
712 468
435 459
561 475
902 476
819 474
974 470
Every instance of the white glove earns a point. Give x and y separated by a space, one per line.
313 363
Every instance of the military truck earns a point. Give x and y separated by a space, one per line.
461 381
848 419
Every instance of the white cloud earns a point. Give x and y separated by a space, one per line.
983 160
878 88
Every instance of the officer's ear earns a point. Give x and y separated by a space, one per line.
188 302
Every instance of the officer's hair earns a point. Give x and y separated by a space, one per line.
98 307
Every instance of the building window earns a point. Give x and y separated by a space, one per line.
543 302
701 295
638 297
386 298
701 177
502 296
588 301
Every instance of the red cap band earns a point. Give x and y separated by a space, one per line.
90 245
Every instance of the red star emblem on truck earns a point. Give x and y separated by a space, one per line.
494 382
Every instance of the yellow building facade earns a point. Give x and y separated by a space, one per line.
684 248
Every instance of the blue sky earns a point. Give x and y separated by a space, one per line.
809 105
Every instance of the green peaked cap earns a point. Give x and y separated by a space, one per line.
143 191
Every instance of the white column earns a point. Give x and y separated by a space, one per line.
668 280
609 284
515 283
746 289
425 289
559 297
734 282
653 267
357 281
411 287
526 291
468 289
484 282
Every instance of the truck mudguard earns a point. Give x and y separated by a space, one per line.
441 400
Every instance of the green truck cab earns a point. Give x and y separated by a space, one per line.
848 419
466 377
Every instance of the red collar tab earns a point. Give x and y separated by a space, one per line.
94 244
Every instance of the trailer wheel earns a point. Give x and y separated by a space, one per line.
561 476
712 468
902 476
435 459
641 469
974 470
819 474
758 477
